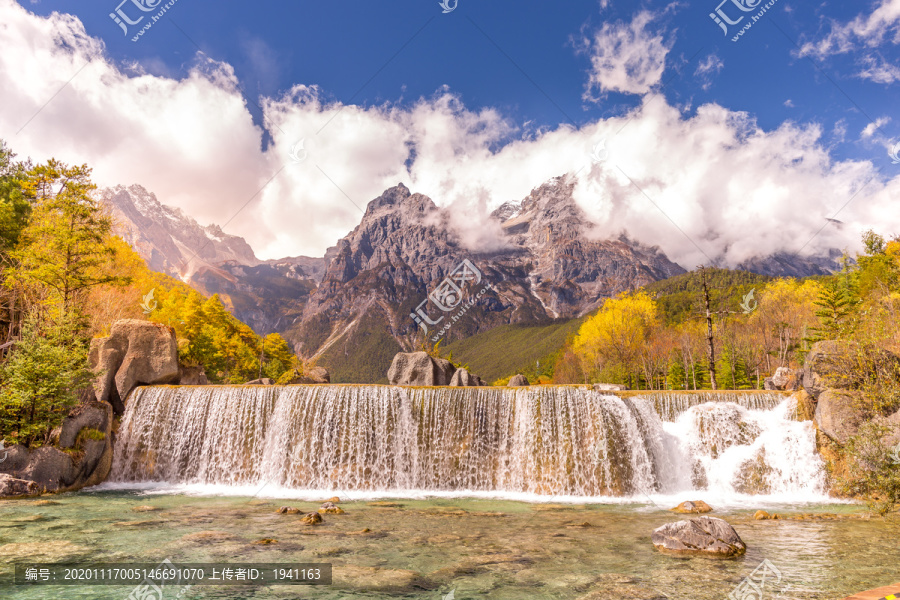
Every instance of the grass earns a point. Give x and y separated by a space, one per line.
510 349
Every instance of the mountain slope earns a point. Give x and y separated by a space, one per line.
267 295
404 248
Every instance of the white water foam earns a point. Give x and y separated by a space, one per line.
537 444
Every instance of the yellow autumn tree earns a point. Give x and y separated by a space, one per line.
610 343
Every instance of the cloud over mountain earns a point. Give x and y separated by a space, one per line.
708 184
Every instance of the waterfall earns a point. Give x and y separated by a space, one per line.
540 440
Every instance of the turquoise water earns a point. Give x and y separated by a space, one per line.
485 549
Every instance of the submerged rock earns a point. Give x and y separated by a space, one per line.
753 476
330 508
419 368
762 515
288 510
373 579
702 536
312 518
689 507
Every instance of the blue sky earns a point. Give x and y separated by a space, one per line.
473 107
507 55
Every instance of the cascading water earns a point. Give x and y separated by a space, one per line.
541 440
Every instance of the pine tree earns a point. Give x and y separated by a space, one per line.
65 246
837 308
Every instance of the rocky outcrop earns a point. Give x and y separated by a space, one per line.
419 368
263 381
702 536
838 415
462 378
89 415
518 381
192 376
135 353
51 470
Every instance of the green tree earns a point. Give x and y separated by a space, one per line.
14 206
837 309
66 246
41 378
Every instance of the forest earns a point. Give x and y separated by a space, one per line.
667 336
66 277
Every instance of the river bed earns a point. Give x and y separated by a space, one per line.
427 548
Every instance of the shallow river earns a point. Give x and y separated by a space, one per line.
474 548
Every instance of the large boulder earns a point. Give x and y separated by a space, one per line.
518 381
837 415
92 415
135 353
420 368
263 381
462 378
701 536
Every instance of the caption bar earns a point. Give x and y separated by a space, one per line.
169 574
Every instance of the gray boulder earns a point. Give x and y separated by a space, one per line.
93 415
420 369
192 376
517 381
701 536
462 378
135 353
837 415
11 487
786 379
263 381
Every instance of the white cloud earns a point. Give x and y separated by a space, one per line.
626 57
192 141
863 34
870 129
875 68
707 68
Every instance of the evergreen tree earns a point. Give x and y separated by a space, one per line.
837 307
66 244
41 378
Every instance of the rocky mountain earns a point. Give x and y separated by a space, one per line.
409 273
403 275
267 295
